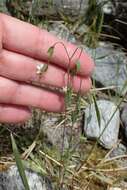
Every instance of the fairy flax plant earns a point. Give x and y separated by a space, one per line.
84 165
68 90
77 170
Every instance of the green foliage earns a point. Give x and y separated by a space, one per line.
94 19
76 68
97 111
19 163
50 52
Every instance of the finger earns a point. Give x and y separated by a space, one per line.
22 68
12 92
13 113
29 40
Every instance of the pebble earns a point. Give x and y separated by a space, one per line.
92 129
11 180
59 135
119 151
110 66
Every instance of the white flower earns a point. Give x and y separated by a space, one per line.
64 89
39 69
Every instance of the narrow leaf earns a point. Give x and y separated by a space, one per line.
50 51
78 65
76 68
19 164
97 111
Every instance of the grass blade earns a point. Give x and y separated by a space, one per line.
97 111
19 164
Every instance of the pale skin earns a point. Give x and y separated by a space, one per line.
23 47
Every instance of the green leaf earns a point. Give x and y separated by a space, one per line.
97 111
78 65
19 164
76 68
50 51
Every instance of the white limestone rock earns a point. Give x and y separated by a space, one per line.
91 126
11 180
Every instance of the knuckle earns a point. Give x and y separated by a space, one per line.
8 89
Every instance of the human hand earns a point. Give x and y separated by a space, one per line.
22 48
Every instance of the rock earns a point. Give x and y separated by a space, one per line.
61 31
110 66
118 151
92 129
72 8
59 136
11 180
124 121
